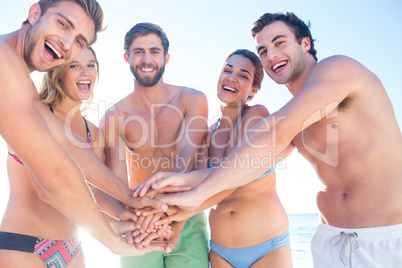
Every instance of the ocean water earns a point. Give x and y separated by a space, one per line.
301 229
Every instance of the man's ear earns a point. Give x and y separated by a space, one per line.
167 57
34 13
306 44
126 57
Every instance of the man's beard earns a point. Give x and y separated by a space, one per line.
31 42
148 82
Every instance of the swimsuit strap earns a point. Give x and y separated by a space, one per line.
212 134
238 121
16 158
89 136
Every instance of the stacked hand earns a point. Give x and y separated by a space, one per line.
149 225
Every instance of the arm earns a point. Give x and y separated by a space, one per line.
94 170
26 132
115 160
193 130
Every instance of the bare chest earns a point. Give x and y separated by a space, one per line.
152 132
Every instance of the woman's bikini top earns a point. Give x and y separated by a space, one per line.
210 165
89 140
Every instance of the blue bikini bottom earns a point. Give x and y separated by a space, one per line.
245 257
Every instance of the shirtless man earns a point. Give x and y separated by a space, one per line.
341 120
157 127
54 34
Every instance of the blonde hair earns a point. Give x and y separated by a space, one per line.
51 90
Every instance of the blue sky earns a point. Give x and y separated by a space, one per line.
202 33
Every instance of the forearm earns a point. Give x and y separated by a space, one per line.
108 204
94 170
257 152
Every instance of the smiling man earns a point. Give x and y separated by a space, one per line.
157 127
55 32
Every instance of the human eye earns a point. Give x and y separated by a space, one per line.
155 52
62 24
91 66
262 52
80 43
279 43
74 66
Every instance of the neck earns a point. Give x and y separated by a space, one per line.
295 86
150 95
16 40
230 114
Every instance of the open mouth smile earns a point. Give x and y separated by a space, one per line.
52 51
84 85
227 88
279 66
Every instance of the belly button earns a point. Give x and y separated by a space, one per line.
334 126
344 196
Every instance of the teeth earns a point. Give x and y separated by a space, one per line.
147 70
84 82
230 89
54 50
280 64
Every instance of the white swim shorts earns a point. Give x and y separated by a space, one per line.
362 247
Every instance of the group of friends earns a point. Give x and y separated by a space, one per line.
141 181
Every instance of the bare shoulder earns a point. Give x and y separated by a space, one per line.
192 98
188 93
117 109
257 110
253 115
340 65
13 69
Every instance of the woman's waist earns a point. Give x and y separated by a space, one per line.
41 222
246 230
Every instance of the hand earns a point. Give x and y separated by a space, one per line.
123 249
161 180
185 200
141 202
174 213
146 223
174 236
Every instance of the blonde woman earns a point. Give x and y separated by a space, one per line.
31 225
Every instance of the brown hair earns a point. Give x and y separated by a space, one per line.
255 60
91 7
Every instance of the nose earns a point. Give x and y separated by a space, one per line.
272 55
67 41
84 71
146 57
231 77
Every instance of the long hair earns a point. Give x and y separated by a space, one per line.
51 90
